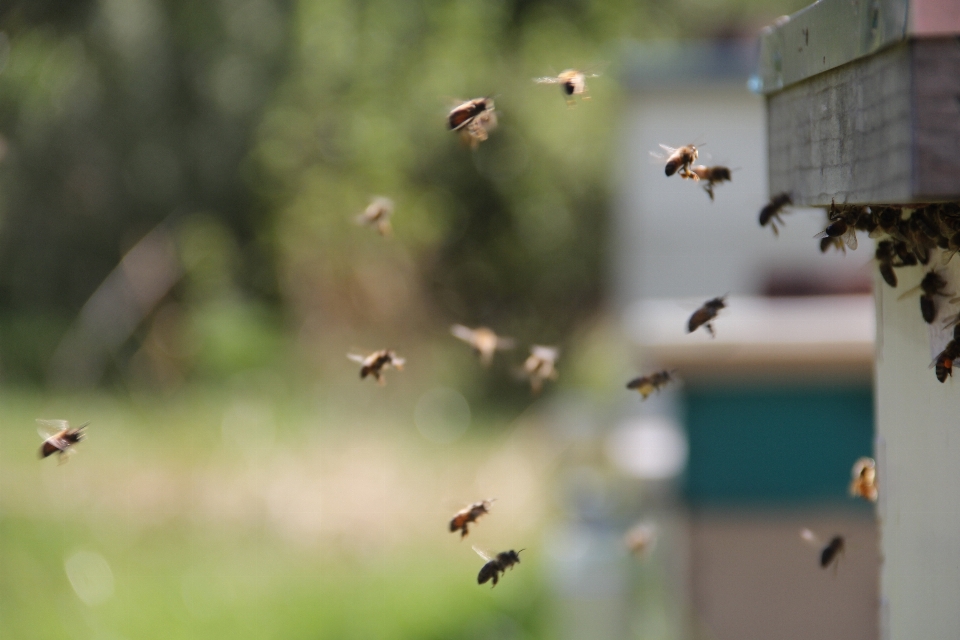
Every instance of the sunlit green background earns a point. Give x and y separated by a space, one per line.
238 480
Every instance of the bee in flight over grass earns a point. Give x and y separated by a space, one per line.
496 565
572 82
646 385
469 514
375 363
541 365
59 437
377 215
483 340
473 120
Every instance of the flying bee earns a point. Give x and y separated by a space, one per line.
864 483
770 214
572 83
830 553
710 175
375 363
469 514
885 256
59 437
646 385
483 340
473 120
377 214
679 160
841 226
641 539
496 565
931 285
705 314
541 365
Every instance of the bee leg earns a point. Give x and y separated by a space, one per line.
709 327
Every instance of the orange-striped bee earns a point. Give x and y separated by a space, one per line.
571 81
469 514
483 340
864 483
704 315
496 565
710 175
679 160
59 437
473 119
377 214
646 385
376 362
541 365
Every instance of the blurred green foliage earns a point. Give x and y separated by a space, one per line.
259 128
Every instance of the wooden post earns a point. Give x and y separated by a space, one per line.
863 104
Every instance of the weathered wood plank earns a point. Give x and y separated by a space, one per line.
883 129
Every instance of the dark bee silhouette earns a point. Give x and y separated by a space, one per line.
679 160
376 362
469 514
885 256
829 554
931 285
473 120
646 385
710 175
864 484
770 214
496 565
59 437
842 225
572 83
705 314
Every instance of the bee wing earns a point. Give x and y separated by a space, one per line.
667 149
357 357
545 353
810 537
850 238
547 80
398 362
50 428
462 332
483 554
907 293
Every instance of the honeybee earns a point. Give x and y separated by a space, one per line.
641 539
648 384
572 82
375 363
885 255
496 565
59 437
943 363
679 160
770 214
377 214
842 225
864 483
931 285
710 175
705 315
469 514
483 340
830 553
474 120
541 365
